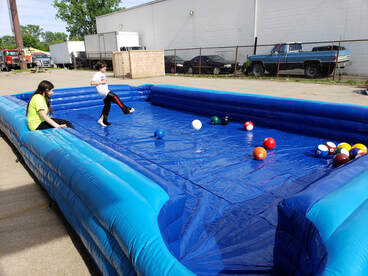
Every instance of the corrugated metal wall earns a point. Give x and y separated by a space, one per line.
315 20
169 24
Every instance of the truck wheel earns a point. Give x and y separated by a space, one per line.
258 70
312 70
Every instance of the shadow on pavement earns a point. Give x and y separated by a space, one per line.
25 210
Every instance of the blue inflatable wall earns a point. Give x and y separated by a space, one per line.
121 213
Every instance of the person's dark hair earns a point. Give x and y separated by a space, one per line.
42 88
99 65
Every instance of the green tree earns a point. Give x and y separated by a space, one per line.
8 39
30 41
43 46
34 30
52 38
8 42
31 35
74 38
80 15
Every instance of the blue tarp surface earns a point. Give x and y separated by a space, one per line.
230 215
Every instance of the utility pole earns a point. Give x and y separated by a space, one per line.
17 34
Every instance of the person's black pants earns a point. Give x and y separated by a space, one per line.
112 97
46 125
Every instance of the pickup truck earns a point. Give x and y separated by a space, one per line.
315 63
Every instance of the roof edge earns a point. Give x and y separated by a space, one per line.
132 8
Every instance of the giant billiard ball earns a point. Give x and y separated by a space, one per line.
248 125
159 133
269 143
340 159
215 120
331 147
225 120
321 150
259 153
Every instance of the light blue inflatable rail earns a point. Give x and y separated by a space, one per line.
114 207
117 221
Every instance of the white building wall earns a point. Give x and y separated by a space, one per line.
167 24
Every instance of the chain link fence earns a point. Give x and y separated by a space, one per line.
300 59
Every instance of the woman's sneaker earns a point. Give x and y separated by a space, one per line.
131 109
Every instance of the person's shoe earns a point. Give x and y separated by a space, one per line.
106 122
129 110
101 123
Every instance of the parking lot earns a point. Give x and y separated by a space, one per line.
36 240
11 83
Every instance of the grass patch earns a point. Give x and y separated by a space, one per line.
16 71
286 78
29 70
352 82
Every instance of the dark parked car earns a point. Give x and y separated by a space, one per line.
41 60
212 64
170 64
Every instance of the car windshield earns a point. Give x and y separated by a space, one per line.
178 59
40 56
217 58
11 53
276 48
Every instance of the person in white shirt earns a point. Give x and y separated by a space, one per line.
100 81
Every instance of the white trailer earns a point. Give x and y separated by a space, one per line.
63 54
100 46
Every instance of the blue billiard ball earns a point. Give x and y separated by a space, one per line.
321 150
355 153
159 133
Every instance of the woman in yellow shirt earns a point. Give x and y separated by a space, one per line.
39 108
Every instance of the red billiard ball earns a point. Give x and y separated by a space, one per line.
248 125
259 153
340 159
269 143
331 147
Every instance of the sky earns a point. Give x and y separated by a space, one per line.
42 13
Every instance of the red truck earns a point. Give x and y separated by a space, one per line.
9 59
